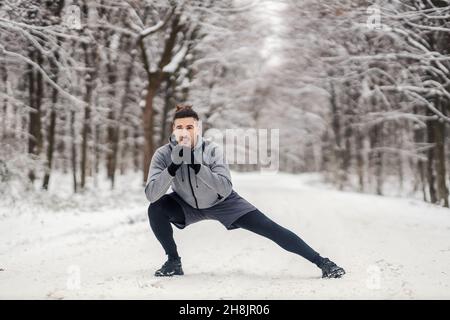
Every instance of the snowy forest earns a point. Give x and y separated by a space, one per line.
357 91
360 90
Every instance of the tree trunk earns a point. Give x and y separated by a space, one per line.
154 82
111 128
124 152
117 129
439 134
336 125
136 150
35 100
4 74
147 120
360 159
50 142
377 156
85 133
90 58
74 151
431 158
51 128
168 103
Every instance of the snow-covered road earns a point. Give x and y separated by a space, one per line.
390 248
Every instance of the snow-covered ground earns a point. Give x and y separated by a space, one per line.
102 247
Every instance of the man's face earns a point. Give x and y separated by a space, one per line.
185 131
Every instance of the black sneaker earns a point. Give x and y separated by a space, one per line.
170 268
330 269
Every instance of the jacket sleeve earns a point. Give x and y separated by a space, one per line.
216 175
159 179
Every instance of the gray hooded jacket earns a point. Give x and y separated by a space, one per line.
210 186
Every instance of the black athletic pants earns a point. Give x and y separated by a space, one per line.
166 209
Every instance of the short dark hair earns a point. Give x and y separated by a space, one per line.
184 111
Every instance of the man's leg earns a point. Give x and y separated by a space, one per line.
259 223
160 213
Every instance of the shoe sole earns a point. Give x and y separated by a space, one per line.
168 274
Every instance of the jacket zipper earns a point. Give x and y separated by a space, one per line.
192 189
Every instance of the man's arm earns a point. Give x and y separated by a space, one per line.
216 176
159 178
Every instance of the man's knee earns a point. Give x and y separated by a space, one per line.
258 222
158 207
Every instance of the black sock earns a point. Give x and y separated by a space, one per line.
318 261
174 257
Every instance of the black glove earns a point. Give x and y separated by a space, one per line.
173 167
195 166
